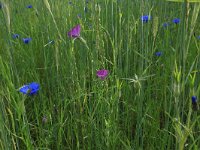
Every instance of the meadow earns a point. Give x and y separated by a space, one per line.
99 75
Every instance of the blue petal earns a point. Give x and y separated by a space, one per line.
30 89
194 99
24 89
15 36
26 40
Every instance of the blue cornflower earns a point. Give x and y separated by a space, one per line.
194 99
27 40
165 25
158 54
29 6
176 20
145 18
198 37
30 89
15 36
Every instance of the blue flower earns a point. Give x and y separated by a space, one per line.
27 40
29 6
165 25
145 18
176 20
30 89
15 36
158 54
194 99
198 37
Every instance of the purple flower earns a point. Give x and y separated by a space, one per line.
26 40
176 20
75 32
29 6
145 18
15 36
30 89
102 74
158 54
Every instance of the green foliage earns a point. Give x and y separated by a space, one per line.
145 101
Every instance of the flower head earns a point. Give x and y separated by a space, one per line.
15 36
165 25
26 40
29 6
145 18
176 20
30 89
194 99
198 37
102 74
75 32
158 54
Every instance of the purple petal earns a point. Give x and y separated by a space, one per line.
75 31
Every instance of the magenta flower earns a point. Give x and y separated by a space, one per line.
102 74
75 32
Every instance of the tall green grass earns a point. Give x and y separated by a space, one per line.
144 103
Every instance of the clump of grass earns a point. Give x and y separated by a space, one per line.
105 77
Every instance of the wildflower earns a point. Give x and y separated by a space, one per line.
29 6
194 99
102 74
26 40
176 20
195 106
75 31
30 89
165 25
145 19
198 37
15 36
158 54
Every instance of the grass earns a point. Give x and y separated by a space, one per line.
145 101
